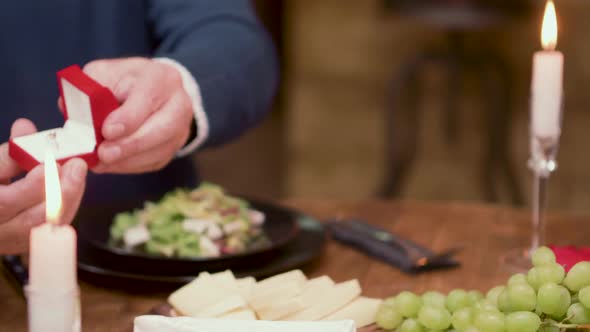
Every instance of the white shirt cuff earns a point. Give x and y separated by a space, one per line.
192 89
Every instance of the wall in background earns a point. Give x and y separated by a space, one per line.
341 55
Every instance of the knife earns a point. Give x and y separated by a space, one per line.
390 248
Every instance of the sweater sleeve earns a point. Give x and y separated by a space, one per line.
229 54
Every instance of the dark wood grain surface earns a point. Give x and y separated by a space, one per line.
487 232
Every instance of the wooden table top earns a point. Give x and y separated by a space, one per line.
487 232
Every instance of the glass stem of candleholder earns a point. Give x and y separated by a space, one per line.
542 163
539 207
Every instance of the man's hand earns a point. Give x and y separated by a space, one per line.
22 203
154 120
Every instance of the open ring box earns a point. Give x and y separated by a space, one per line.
86 106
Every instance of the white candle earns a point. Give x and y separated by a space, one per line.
52 290
547 82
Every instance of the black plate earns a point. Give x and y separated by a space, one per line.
93 226
307 246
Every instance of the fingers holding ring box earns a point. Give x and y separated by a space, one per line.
86 106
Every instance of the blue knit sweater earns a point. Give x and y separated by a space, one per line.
221 42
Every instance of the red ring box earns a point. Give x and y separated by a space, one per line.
86 106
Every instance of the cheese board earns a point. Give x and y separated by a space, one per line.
288 296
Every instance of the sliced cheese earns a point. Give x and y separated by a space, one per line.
246 282
200 293
225 279
281 309
181 299
323 280
362 310
295 277
229 304
334 299
240 315
245 286
274 295
315 289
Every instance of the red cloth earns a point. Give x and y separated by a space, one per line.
568 256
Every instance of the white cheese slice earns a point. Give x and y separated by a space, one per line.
274 295
229 304
225 279
240 315
245 286
362 310
315 289
246 282
200 293
295 276
323 280
331 301
281 309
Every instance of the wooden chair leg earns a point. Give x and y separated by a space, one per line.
498 163
402 127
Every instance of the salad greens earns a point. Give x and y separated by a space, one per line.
204 222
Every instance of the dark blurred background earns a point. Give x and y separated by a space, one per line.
418 99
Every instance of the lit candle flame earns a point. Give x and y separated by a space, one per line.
549 29
53 200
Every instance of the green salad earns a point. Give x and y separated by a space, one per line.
204 222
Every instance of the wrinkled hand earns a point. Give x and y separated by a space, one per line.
154 120
22 203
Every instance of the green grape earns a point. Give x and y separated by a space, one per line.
553 300
522 321
463 318
584 296
433 298
389 302
408 303
521 297
388 317
543 256
489 321
411 325
550 273
493 294
474 296
434 317
517 278
533 278
578 314
578 277
554 273
504 301
457 299
485 305
472 329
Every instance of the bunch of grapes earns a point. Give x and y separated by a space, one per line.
545 299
